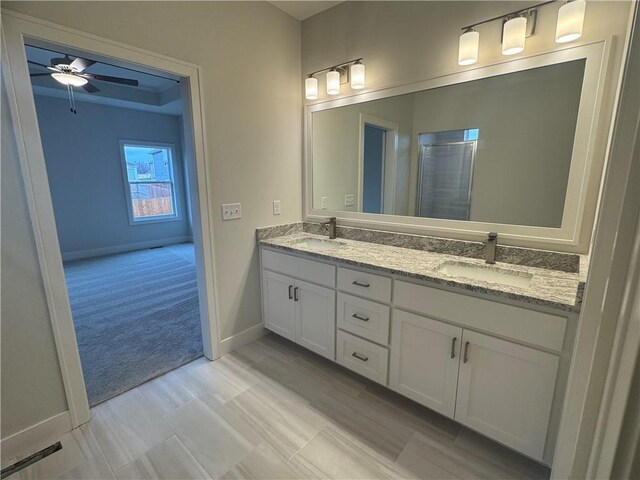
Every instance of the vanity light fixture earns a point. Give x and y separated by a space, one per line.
357 75
514 33
311 88
347 72
520 24
333 82
468 48
570 21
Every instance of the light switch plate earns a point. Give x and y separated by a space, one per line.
276 207
349 200
323 203
231 211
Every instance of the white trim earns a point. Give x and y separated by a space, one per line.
175 187
389 166
241 339
25 441
15 29
126 247
584 176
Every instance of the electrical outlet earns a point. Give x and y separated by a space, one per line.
349 200
276 207
323 203
231 211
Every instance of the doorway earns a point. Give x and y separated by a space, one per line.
19 31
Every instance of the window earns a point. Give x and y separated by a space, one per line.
149 181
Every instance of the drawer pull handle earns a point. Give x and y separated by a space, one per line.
359 356
358 284
453 347
290 292
359 317
295 294
466 352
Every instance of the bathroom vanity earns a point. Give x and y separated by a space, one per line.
487 346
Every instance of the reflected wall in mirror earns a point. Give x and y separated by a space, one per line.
493 150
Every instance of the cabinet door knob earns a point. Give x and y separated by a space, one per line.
360 317
453 347
295 294
466 352
360 356
359 284
290 292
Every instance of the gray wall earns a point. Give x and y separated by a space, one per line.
32 389
82 153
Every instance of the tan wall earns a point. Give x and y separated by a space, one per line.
32 388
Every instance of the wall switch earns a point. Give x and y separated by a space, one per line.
349 200
231 211
323 203
276 207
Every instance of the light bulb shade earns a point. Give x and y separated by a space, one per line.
357 76
513 35
311 88
69 79
570 21
468 48
333 82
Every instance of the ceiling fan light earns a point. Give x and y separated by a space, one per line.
69 79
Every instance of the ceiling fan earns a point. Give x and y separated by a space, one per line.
71 73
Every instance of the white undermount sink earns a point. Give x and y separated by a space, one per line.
319 243
486 273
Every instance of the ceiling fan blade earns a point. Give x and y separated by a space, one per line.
106 78
40 75
38 64
91 88
80 64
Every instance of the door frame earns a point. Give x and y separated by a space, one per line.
389 165
16 28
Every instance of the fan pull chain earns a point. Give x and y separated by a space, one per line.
72 100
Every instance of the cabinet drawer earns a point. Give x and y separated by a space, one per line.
312 271
363 357
536 328
367 285
365 318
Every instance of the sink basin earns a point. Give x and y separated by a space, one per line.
319 243
486 273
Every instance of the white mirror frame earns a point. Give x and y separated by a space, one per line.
587 160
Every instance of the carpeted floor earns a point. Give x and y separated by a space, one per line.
136 316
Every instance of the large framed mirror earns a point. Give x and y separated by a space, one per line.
506 148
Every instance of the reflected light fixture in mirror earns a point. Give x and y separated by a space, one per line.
357 75
513 35
333 82
570 21
468 48
311 88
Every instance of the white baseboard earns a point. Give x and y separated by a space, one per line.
128 247
241 339
27 440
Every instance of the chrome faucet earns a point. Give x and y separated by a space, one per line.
332 227
490 247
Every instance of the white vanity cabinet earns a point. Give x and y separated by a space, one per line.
425 360
490 365
300 311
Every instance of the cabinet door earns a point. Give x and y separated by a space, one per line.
505 391
316 318
424 360
279 308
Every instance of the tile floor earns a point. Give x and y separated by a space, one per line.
272 410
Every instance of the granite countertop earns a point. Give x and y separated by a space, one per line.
548 288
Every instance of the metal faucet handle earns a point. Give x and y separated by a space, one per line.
331 220
492 236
